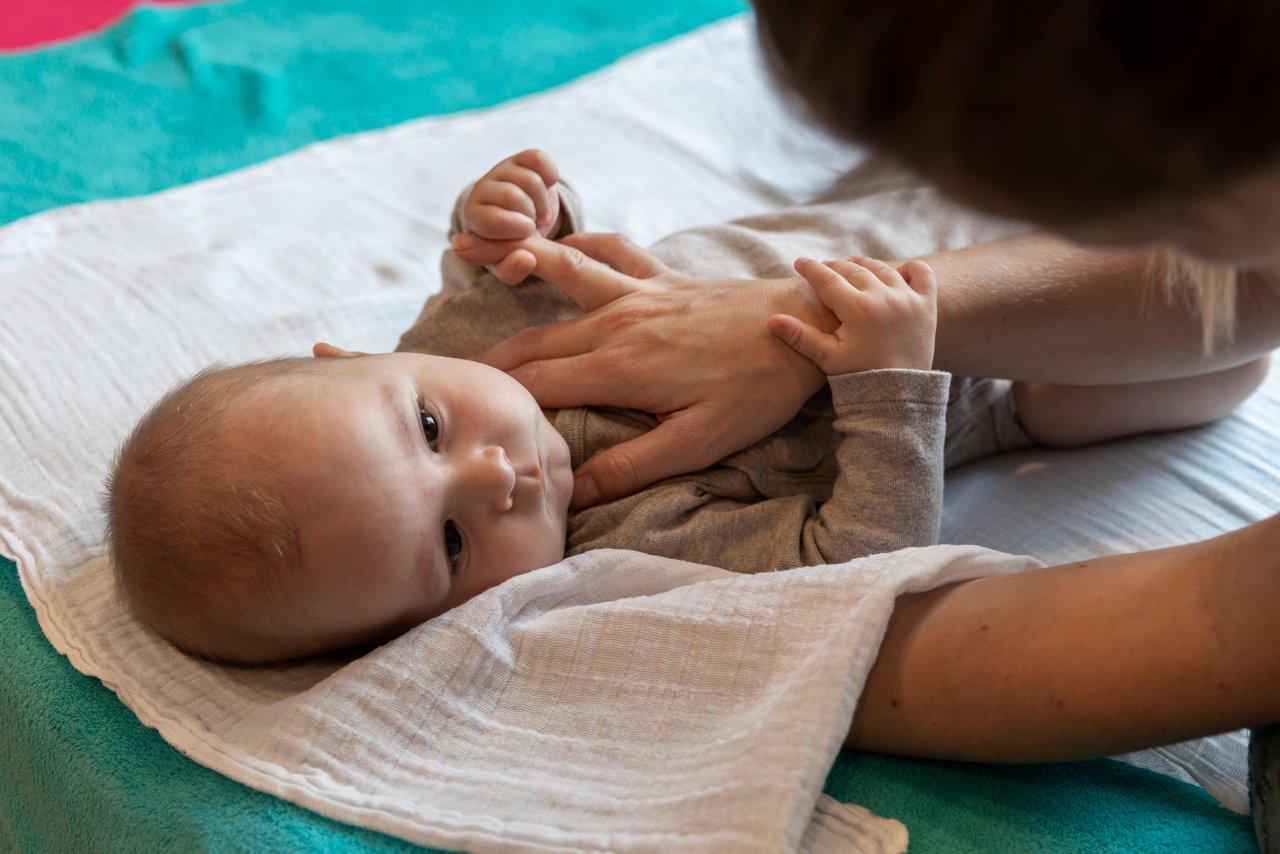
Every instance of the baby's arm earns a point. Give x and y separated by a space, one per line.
473 310
890 407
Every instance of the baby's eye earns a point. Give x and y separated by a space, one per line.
452 545
430 428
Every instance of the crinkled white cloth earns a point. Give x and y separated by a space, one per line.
613 701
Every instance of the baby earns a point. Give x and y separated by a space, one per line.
299 506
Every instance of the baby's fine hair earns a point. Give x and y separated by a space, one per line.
199 528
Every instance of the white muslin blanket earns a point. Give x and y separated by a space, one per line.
614 701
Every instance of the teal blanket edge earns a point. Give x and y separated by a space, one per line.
172 94
175 94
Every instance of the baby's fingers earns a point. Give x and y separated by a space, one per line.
500 210
882 271
533 191
538 161
837 288
536 175
809 341
920 277
494 223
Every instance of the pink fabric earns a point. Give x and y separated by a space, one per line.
28 23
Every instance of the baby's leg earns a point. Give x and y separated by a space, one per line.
1085 659
1064 416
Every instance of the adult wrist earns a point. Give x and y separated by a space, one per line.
794 296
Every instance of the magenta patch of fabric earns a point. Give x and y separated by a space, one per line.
31 23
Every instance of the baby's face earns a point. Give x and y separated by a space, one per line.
420 482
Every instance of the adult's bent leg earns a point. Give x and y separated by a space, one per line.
1081 660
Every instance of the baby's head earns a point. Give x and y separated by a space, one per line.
287 508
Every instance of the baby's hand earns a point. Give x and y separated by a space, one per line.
888 318
514 200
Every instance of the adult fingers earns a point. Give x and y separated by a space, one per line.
583 378
677 445
558 340
619 252
481 252
583 279
573 381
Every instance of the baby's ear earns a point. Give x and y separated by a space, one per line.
328 351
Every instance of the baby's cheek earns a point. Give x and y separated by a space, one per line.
544 549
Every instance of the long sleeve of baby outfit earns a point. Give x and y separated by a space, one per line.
817 491
888 490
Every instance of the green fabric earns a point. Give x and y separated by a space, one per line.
78 772
175 94
1096 806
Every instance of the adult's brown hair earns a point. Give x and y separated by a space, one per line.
1059 111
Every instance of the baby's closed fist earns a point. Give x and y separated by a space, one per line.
514 200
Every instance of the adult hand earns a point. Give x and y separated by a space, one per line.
696 353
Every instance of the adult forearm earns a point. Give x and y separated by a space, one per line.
1038 308
1081 660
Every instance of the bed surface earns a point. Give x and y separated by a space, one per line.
81 766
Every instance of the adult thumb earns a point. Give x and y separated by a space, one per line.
662 452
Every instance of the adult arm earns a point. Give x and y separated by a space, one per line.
1034 307
698 353
1082 660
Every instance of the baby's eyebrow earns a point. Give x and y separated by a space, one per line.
404 418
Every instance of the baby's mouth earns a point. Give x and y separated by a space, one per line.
539 473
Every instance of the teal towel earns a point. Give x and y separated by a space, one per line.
1096 806
174 94
78 772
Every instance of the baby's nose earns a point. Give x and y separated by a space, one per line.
494 478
